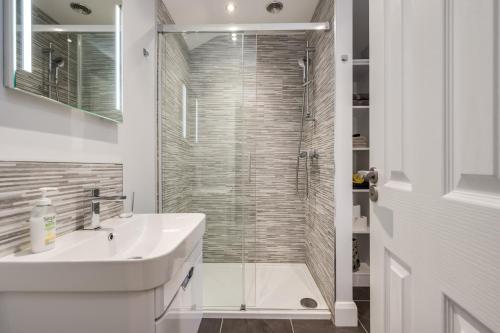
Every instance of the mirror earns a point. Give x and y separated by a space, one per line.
66 51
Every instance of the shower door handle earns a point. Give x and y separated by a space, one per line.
250 168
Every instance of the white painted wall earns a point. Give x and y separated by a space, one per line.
137 135
345 308
32 129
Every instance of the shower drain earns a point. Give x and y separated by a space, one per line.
309 303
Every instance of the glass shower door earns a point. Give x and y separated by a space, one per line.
206 152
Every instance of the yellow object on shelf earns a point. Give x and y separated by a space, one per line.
358 179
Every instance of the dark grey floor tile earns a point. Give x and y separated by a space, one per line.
364 314
361 293
321 326
256 326
210 325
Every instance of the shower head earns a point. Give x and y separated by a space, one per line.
58 62
302 64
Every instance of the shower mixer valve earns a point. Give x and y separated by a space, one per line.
313 154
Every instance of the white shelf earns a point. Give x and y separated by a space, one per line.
360 190
361 107
361 62
361 231
361 278
361 149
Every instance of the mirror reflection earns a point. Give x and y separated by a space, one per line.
70 52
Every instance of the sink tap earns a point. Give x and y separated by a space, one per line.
96 200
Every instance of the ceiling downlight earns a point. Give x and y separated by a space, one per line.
80 8
274 7
230 7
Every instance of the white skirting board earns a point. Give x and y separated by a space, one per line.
346 314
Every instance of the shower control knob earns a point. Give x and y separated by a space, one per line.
373 193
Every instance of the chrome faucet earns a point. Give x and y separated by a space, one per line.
96 200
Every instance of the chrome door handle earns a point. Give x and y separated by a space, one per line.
373 193
372 176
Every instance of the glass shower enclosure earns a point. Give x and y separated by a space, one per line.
230 107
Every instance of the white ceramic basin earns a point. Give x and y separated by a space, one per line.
146 250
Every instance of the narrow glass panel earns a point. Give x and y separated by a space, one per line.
206 153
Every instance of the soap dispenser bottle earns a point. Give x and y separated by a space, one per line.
43 223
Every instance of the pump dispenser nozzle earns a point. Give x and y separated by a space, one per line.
44 201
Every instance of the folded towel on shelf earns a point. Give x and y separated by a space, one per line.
360 223
359 142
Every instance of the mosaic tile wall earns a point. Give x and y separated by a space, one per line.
320 208
19 184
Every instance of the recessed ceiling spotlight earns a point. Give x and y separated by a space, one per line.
80 8
274 7
230 7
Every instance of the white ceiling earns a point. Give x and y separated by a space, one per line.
247 11
103 11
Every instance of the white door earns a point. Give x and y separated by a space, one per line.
435 126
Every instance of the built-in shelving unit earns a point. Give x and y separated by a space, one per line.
361 278
361 126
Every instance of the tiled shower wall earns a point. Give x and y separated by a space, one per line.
240 167
280 222
320 208
19 184
218 181
249 122
175 151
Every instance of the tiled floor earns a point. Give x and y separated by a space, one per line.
272 326
361 296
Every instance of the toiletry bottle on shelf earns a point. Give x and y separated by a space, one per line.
43 223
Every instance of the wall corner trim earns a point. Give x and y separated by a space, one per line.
346 314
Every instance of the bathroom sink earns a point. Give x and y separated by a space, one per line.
132 254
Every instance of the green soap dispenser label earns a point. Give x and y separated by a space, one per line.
50 229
